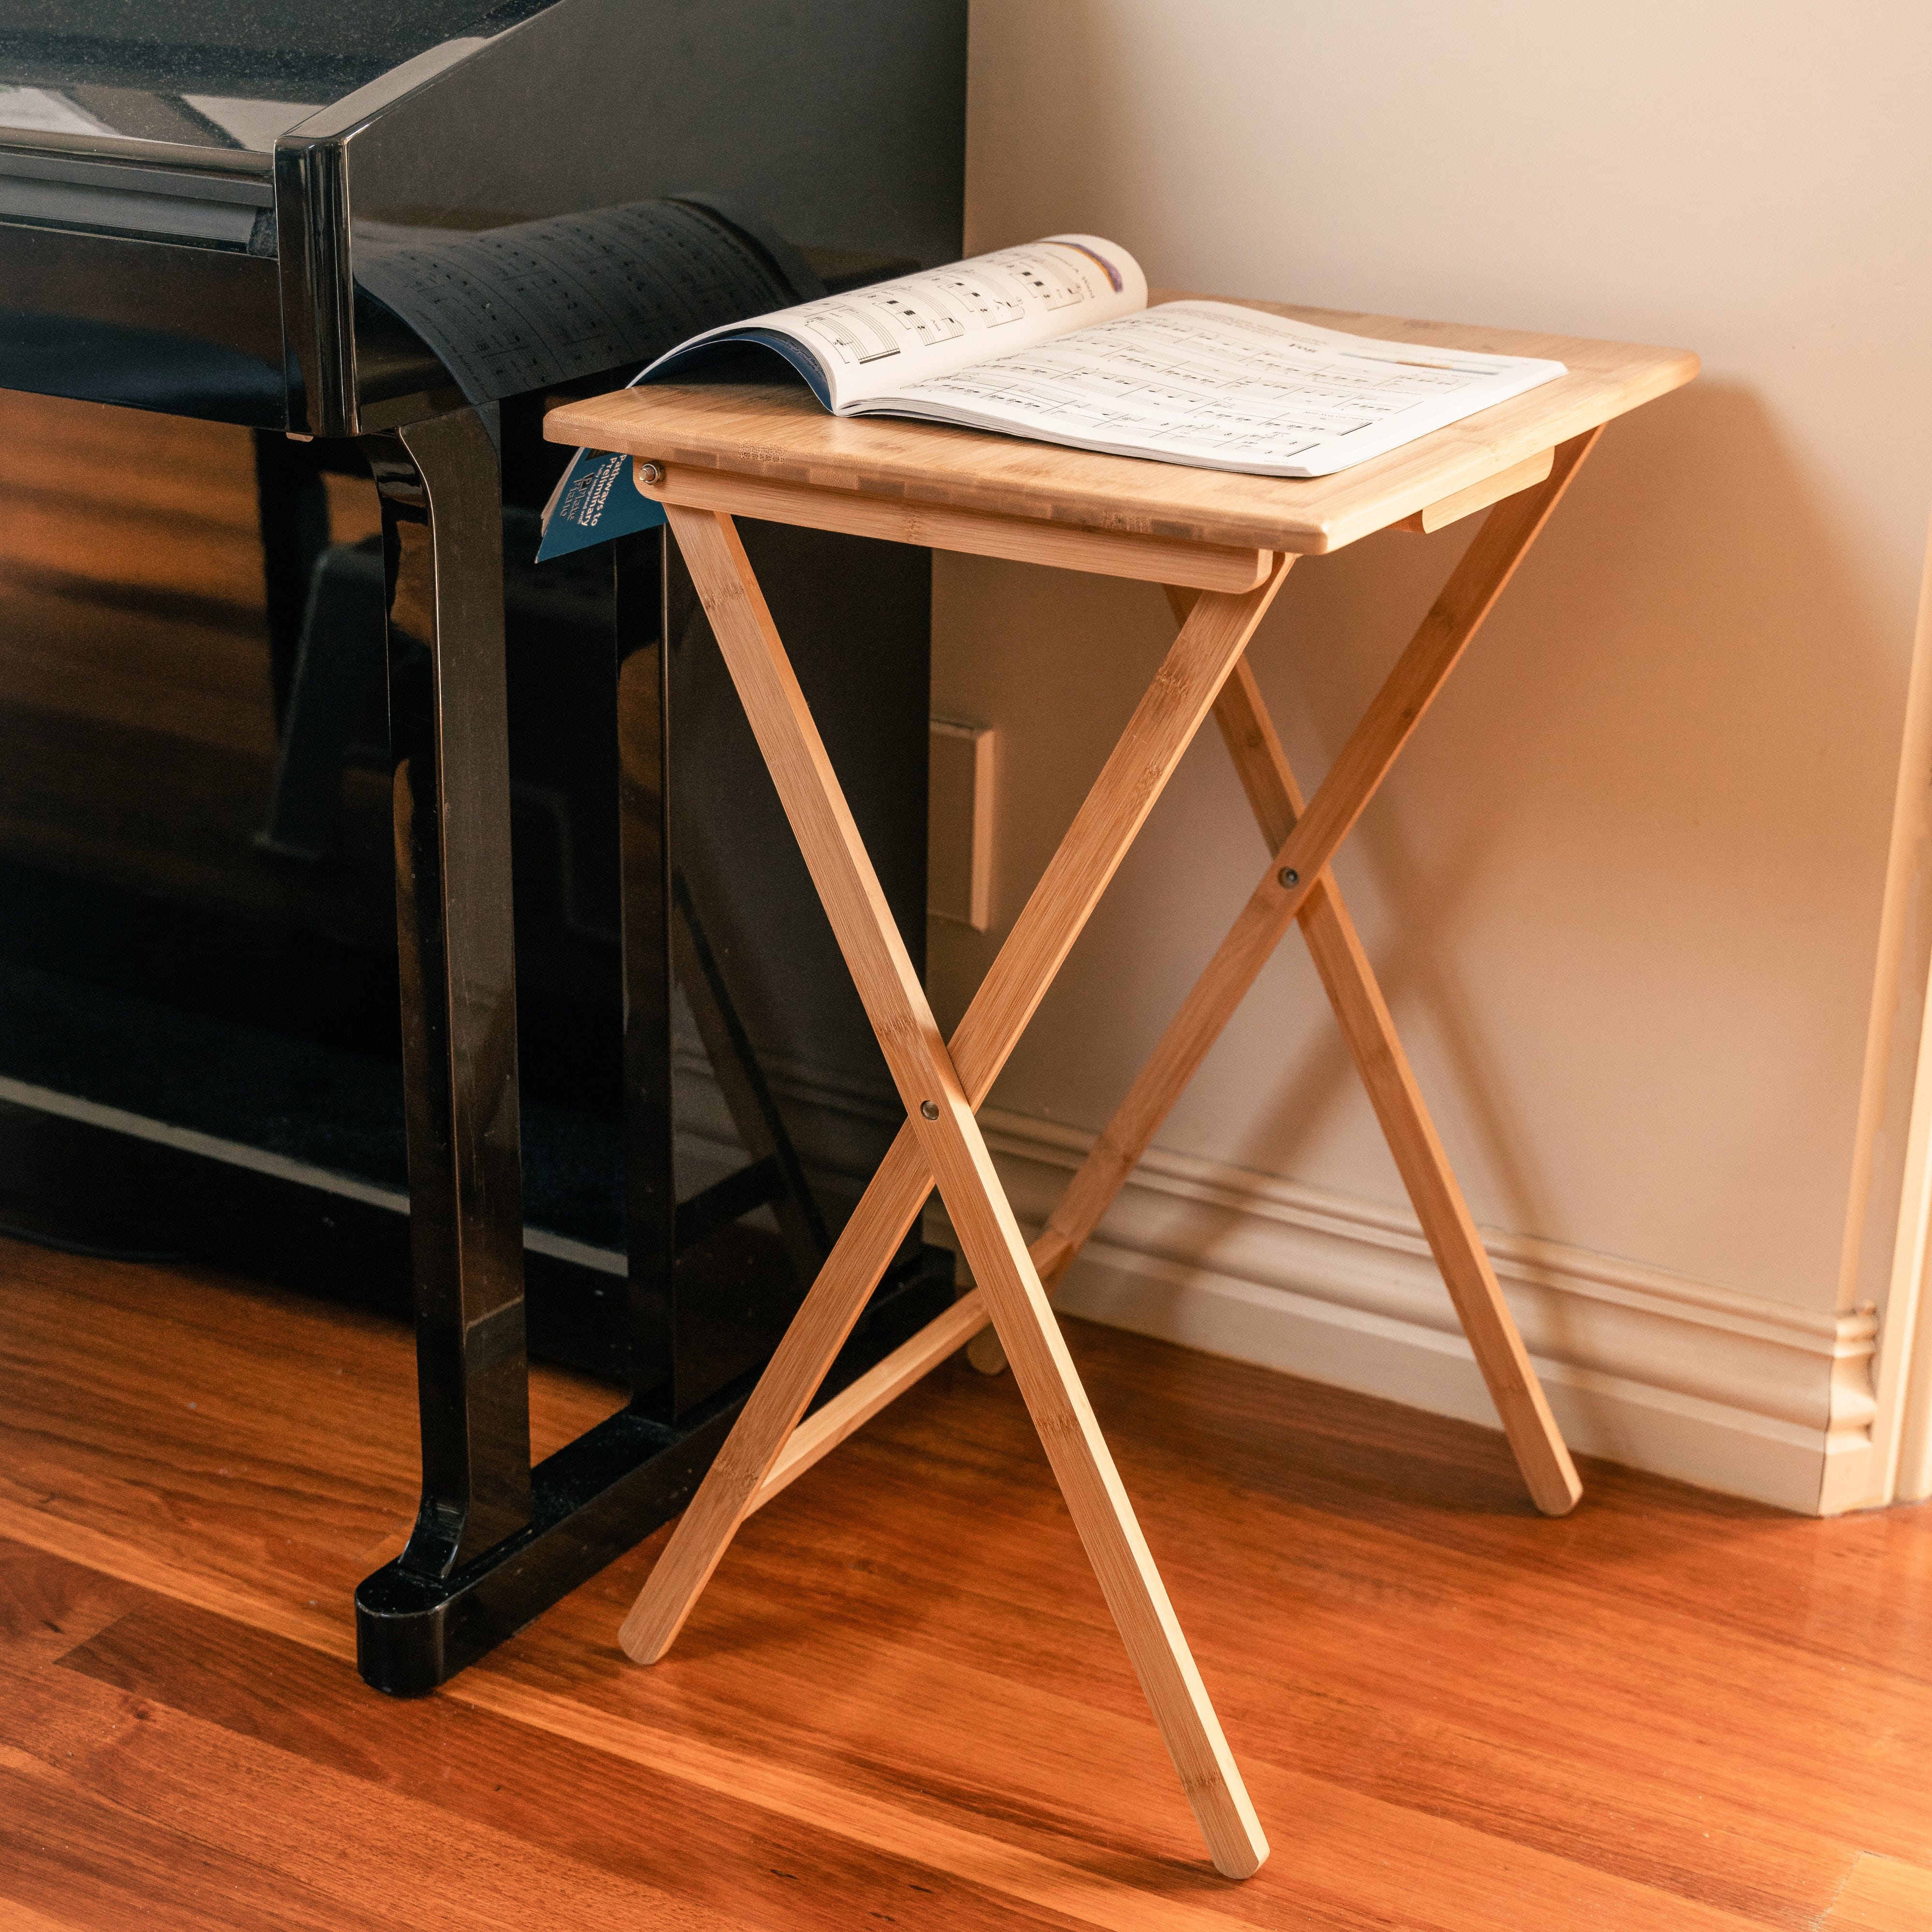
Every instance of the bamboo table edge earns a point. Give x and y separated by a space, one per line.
888 461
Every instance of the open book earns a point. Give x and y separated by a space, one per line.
1054 341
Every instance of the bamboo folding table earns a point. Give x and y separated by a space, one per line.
1222 545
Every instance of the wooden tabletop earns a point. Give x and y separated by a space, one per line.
780 432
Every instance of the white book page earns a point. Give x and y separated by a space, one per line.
884 337
1219 387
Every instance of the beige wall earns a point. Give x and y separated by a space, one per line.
1626 888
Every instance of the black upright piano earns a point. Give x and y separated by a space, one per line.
430 936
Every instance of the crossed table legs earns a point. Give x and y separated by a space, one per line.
942 1083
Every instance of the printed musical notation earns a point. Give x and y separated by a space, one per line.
1054 340
1199 381
919 314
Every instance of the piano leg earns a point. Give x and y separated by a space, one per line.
650 1171
496 1543
449 730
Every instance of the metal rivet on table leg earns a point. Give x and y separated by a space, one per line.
1288 876
929 1109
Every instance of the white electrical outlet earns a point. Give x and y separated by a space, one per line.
959 824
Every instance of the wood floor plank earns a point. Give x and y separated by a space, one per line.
845 1660
47 1606
17 1917
1670 1710
535 1786
1088 1893
1883 1895
307 1843
65 1850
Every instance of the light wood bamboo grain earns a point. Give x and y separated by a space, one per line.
1303 855
822 1431
1020 539
1171 710
1548 1470
968 1321
1376 1049
782 433
1162 726
732 1486
941 1116
1253 744
1446 510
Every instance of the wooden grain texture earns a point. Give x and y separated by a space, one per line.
552 1776
1302 858
941 1114
149 1770
968 1322
1363 1017
1446 510
765 1454
1019 539
1883 1895
901 1701
1163 724
821 1432
782 433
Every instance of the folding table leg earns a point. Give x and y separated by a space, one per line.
1549 1475
747 1471
949 1146
1297 878
1377 1051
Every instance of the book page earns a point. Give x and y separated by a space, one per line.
1219 387
861 344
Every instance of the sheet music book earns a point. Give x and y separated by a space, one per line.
1054 341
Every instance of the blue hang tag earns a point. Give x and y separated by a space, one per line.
597 500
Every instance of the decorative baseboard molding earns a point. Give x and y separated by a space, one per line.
1717 1387
1728 1390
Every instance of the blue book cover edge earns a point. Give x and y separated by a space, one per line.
596 501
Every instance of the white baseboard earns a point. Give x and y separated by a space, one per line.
1728 1390
1715 1387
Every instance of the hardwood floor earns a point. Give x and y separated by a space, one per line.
902 1702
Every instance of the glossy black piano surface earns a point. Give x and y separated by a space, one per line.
184 183
217 641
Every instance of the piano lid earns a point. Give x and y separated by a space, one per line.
228 180
221 75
